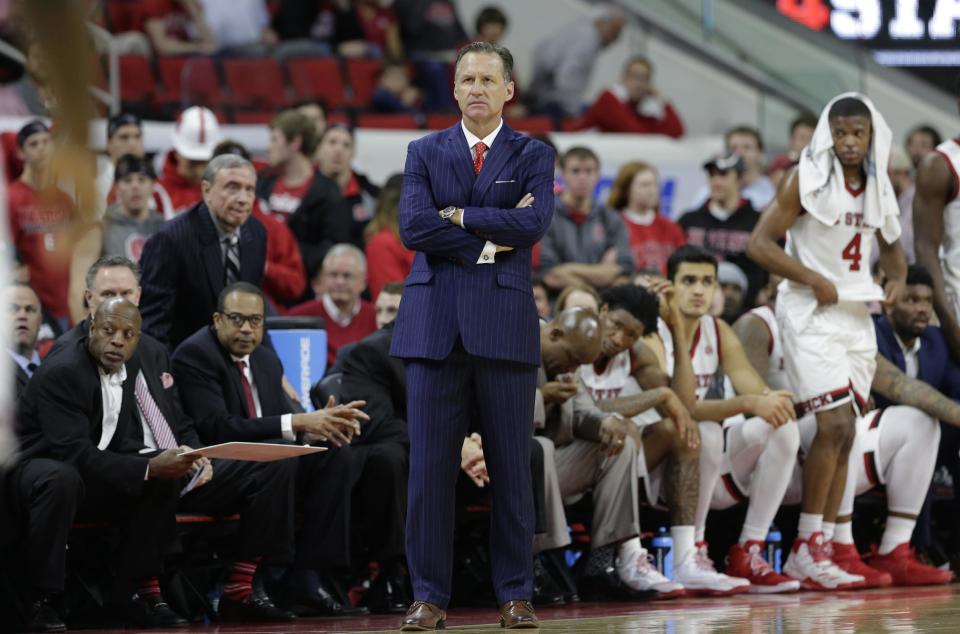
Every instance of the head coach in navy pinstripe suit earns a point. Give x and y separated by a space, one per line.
476 198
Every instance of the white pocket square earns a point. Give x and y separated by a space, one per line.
502 182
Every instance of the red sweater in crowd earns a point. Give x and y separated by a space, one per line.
651 244
40 230
613 112
387 261
362 324
284 277
183 194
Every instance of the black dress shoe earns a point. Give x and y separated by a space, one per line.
386 596
43 618
546 592
151 612
608 586
319 602
257 607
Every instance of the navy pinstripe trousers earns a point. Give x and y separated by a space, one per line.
442 397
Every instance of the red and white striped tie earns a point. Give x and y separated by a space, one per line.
152 414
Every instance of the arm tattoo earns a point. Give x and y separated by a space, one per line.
897 387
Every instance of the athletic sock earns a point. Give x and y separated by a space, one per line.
828 530
752 534
898 531
629 549
239 585
149 588
809 524
843 533
683 543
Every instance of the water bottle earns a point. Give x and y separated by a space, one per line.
662 545
774 548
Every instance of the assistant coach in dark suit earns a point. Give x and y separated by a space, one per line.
476 198
194 256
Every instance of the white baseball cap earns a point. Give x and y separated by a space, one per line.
196 134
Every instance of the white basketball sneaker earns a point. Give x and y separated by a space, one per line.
698 576
810 564
639 573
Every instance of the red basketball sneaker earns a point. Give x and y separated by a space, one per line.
746 561
848 559
903 566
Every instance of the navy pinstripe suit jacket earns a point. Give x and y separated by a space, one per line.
489 306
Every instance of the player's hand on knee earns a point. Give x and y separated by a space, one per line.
824 291
687 430
775 407
613 433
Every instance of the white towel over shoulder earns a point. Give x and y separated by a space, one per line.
821 175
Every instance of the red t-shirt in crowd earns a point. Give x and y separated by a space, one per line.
285 200
362 324
40 230
183 194
387 261
652 245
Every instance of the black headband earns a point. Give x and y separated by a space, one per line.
118 121
34 127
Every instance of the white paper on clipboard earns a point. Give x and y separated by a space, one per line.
253 451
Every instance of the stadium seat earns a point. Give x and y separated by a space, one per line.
254 116
317 78
388 121
137 82
533 125
441 121
190 81
255 82
124 15
362 74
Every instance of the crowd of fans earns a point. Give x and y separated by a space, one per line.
175 275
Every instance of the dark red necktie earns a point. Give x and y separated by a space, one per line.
479 150
247 390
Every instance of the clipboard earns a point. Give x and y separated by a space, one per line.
254 451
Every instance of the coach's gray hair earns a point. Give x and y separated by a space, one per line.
224 162
110 261
346 249
487 48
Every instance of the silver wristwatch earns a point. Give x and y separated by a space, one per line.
447 213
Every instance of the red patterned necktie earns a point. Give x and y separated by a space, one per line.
478 151
162 433
247 390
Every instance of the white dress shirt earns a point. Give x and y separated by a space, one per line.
286 420
111 391
911 357
489 253
24 362
343 319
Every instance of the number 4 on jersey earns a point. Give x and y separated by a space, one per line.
851 252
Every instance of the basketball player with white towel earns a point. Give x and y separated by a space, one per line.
895 447
829 209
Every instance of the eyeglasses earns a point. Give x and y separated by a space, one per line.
237 319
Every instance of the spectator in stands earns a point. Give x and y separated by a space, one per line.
293 190
363 28
431 33
74 410
335 156
722 225
196 133
284 278
124 136
231 387
338 285
195 255
42 221
587 242
490 25
387 258
178 27
801 131
754 186
388 301
130 221
922 140
541 297
634 105
563 61
240 27
902 174
394 93
635 193
733 285
316 112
